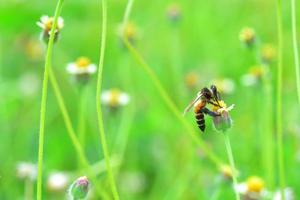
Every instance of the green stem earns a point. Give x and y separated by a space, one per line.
28 189
295 48
98 103
44 100
71 132
279 101
231 160
81 119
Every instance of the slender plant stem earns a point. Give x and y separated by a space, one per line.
231 160
295 48
44 100
98 103
71 132
81 119
28 189
279 101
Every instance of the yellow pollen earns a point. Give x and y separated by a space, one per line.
221 103
82 62
255 184
114 99
48 24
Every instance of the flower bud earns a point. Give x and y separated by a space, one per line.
173 12
80 188
247 36
222 122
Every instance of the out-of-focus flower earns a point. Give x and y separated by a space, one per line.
34 49
46 23
129 32
247 36
254 75
191 80
268 53
79 188
57 182
252 189
173 12
226 172
223 121
224 85
29 84
26 170
288 194
82 68
114 98
132 182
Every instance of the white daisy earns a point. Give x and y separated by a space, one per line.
46 23
26 170
57 181
115 98
81 66
253 188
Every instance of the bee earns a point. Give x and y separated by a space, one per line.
204 97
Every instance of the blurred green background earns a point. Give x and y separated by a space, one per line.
160 159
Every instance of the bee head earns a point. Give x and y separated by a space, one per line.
206 93
215 92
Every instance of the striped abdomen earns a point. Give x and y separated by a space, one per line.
200 120
200 115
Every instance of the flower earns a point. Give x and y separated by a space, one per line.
45 24
191 79
57 181
114 98
288 194
268 53
224 85
254 75
252 189
26 170
129 32
222 122
173 12
82 68
226 172
247 36
79 188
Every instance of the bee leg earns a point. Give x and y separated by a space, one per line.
209 112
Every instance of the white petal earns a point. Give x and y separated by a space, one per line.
241 188
44 19
124 99
60 23
105 97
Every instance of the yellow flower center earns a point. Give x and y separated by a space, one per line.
48 24
82 62
255 184
221 103
247 35
268 52
226 171
114 99
191 79
130 31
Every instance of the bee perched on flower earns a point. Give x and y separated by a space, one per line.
81 69
268 53
114 98
46 23
252 189
247 36
219 112
173 12
254 75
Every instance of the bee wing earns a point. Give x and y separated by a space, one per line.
191 105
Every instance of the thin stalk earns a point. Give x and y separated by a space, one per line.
231 160
44 100
28 190
71 132
98 103
170 104
81 119
295 48
279 100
